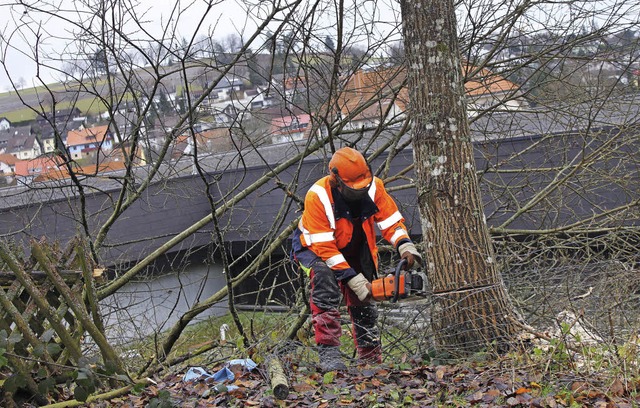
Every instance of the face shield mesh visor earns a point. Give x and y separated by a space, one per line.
352 194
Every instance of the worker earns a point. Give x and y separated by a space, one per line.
335 244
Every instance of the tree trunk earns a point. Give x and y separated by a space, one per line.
471 308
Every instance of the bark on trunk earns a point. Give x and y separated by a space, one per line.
471 306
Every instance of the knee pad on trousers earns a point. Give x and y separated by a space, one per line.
325 292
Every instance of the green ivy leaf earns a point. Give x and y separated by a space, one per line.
394 395
38 350
53 348
328 377
46 385
110 367
138 388
14 383
3 338
42 373
80 393
14 338
47 335
405 366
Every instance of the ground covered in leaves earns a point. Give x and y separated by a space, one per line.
410 384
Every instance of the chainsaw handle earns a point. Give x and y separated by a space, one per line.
396 291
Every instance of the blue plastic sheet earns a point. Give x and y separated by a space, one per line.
222 375
245 362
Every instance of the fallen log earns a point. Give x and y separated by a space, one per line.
279 382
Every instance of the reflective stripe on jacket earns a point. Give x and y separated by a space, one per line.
325 228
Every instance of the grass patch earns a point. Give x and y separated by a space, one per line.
264 330
20 115
88 106
38 90
267 334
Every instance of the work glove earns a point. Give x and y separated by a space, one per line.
409 252
360 286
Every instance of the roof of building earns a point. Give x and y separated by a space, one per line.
21 143
51 168
486 82
62 172
209 140
39 165
60 115
226 82
291 83
286 121
365 91
15 132
88 135
8 159
380 86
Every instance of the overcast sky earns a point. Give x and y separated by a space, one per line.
19 27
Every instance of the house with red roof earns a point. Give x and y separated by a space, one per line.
381 96
7 168
52 168
28 170
7 164
289 128
89 142
486 89
215 140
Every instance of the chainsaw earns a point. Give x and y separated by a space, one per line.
399 285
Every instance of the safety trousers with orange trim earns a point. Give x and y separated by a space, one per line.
326 293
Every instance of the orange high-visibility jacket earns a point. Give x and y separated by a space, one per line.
324 231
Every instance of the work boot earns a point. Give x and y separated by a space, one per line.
330 358
370 355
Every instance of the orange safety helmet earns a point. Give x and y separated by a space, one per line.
351 169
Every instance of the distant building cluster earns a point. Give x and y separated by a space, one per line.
68 139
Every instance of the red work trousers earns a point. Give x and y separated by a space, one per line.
326 292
